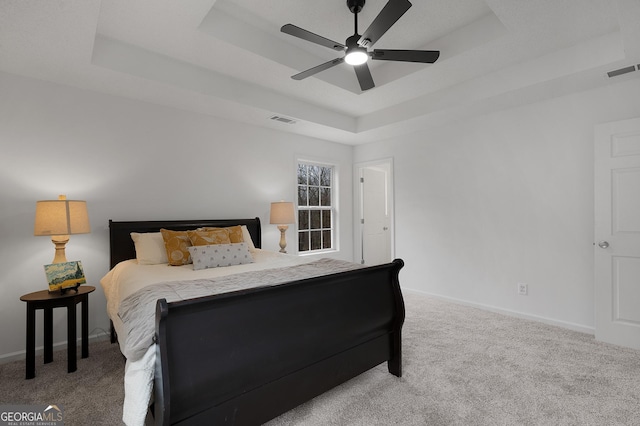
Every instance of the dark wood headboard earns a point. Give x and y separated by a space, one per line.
122 247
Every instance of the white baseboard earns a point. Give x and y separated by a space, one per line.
550 321
21 355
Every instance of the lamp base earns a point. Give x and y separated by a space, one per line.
60 241
283 240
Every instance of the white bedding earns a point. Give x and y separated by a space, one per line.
128 277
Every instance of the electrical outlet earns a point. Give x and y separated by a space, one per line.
523 289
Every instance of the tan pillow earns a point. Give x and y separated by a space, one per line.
209 237
176 243
235 234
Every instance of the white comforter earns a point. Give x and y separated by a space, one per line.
127 278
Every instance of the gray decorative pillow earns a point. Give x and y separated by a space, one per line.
218 255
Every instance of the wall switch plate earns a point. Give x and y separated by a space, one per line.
523 289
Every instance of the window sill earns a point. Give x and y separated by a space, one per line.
317 252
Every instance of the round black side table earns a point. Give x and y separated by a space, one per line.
47 301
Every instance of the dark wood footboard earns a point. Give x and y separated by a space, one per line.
246 357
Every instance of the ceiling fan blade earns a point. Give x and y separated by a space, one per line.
388 16
317 69
424 56
364 76
313 38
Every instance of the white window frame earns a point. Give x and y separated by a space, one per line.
332 207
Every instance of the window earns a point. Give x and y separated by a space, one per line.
315 207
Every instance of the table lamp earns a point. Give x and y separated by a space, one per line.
59 219
282 214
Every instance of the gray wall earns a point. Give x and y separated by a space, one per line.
131 161
481 204
504 198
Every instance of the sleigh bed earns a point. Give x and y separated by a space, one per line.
248 355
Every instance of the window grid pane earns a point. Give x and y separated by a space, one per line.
316 240
325 196
314 196
326 239
326 219
302 196
302 174
325 176
314 175
315 219
303 241
303 219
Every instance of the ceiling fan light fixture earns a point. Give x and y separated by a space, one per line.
356 56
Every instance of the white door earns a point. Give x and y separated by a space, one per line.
376 235
617 233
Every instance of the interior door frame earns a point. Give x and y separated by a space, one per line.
386 163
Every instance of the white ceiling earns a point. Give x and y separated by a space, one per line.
228 58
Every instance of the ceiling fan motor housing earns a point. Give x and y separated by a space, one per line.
352 42
355 6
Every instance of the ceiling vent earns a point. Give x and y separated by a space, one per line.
621 71
283 119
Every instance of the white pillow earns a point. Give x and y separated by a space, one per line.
150 249
246 236
218 255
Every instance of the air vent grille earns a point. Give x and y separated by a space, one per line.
622 71
282 119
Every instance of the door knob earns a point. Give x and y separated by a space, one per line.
384 228
603 244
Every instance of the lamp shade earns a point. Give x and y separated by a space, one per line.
61 217
282 213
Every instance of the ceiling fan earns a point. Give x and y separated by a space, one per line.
356 45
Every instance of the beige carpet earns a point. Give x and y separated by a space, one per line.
92 395
462 366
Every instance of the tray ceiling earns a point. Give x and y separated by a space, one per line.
228 58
